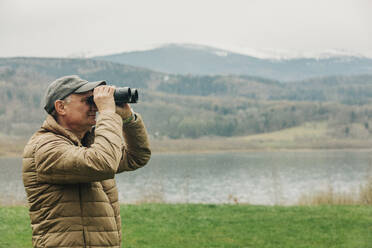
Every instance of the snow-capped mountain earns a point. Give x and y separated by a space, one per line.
205 60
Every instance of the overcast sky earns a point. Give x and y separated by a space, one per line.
65 28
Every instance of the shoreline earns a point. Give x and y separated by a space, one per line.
6 154
13 147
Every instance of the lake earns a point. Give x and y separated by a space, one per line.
265 178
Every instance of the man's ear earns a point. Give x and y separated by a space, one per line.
59 106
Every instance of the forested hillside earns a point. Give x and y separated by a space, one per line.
178 106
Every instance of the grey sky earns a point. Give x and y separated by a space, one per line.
258 27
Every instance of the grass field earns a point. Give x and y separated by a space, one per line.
314 135
193 225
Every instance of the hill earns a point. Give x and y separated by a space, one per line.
203 60
187 106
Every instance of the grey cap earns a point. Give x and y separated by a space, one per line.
65 86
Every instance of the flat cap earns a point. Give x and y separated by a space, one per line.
65 86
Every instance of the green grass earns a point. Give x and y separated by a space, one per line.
194 225
15 229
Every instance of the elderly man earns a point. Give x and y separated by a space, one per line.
70 163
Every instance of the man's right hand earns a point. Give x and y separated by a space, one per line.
104 98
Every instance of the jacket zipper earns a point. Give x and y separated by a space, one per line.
82 215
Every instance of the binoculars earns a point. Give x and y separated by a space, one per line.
121 95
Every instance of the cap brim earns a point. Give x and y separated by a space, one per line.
89 86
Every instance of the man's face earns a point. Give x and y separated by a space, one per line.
80 115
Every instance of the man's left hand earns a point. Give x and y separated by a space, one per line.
124 110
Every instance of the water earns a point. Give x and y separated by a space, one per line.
254 177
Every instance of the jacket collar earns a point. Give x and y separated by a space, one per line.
51 125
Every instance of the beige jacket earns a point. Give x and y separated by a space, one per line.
70 184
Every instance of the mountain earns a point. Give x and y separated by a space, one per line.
41 71
179 106
203 60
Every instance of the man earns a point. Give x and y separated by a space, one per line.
69 165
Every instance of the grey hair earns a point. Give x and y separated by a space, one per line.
66 100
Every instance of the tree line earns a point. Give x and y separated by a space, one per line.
179 106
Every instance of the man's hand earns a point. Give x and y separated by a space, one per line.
125 111
104 98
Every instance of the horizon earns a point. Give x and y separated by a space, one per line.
260 54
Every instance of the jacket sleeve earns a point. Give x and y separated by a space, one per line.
59 161
136 152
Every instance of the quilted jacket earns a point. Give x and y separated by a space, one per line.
70 186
